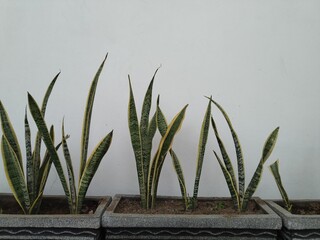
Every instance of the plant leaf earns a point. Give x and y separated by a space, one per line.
240 162
146 140
34 209
274 168
37 148
10 134
29 168
225 156
42 127
91 168
201 148
161 120
267 149
162 126
230 183
87 119
164 146
182 183
72 186
14 175
137 145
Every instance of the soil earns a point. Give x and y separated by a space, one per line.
176 206
305 208
51 205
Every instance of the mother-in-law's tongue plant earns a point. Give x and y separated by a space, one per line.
240 196
142 134
88 166
27 190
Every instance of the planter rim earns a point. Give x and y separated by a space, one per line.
57 220
296 221
270 220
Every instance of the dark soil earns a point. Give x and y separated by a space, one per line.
305 208
176 206
50 205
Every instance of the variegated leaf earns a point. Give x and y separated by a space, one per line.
202 148
224 153
164 147
91 168
87 118
14 175
72 186
42 127
240 162
182 183
31 181
10 134
267 149
274 168
37 148
146 141
231 186
135 135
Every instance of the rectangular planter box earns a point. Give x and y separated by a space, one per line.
60 226
297 226
187 226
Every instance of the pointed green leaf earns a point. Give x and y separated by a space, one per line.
35 207
137 145
164 146
87 118
182 184
152 128
150 179
202 148
14 175
10 134
29 167
267 149
274 168
42 127
47 95
91 168
146 141
37 148
161 120
46 164
240 162
231 186
72 186
225 156
146 106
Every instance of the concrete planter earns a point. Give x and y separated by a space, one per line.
162 226
65 226
297 226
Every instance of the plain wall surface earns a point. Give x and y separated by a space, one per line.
259 59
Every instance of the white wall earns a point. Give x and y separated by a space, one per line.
259 59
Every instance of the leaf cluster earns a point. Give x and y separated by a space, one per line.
27 187
142 134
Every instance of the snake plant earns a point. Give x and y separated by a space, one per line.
88 165
274 168
26 185
142 135
190 202
239 194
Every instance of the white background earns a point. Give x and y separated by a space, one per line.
259 59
